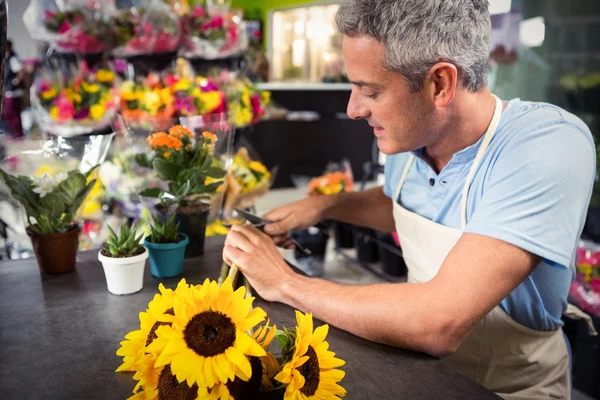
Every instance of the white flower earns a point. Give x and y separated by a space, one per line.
45 184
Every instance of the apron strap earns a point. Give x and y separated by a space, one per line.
480 153
575 313
484 145
409 163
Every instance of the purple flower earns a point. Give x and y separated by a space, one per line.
120 66
208 85
83 113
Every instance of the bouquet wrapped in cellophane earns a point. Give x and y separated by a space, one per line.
72 26
154 100
76 102
212 31
150 28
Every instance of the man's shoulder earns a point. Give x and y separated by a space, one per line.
528 121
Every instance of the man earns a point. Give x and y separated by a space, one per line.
13 92
488 199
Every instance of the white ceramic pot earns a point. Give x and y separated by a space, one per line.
124 275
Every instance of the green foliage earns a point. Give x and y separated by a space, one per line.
164 232
125 244
52 212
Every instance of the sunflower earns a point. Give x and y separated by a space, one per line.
159 383
207 342
263 370
133 349
309 369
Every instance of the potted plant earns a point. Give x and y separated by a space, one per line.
123 259
192 173
51 203
166 247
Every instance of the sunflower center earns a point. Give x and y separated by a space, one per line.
152 334
240 390
170 389
209 333
311 372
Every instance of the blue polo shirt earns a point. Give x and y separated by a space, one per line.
532 190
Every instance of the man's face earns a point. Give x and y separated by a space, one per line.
400 119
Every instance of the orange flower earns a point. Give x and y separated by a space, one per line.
209 136
179 131
161 139
167 154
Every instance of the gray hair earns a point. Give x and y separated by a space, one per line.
417 34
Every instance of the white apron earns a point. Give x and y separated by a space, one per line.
512 360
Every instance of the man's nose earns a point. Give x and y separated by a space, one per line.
355 109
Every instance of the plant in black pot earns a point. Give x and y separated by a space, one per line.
51 203
192 174
167 248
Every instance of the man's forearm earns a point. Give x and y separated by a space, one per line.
371 208
396 314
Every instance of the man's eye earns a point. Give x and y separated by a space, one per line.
372 96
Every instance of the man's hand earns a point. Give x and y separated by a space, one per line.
299 215
257 257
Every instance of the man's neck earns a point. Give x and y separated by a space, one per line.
472 117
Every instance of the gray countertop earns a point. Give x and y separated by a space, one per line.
59 334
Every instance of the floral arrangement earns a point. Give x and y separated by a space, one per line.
151 28
206 342
80 104
338 180
212 35
81 29
171 97
332 183
187 163
156 98
50 201
246 104
246 182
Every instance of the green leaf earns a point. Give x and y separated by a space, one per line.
152 192
53 205
282 338
166 170
81 195
215 172
144 160
68 189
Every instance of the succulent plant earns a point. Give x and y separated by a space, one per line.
164 232
125 244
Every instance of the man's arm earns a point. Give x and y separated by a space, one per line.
370 208
433 317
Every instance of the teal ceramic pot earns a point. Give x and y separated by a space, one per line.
166 259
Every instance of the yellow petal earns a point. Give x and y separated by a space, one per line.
247 345
238 358
224 365
255 317
319 335
209 375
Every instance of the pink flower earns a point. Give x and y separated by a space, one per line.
215 23
171 80
66 110
64 27
49 14
208 85
198 12
44 86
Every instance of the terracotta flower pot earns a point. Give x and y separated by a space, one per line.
56 252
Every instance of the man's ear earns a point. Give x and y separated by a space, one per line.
440 83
